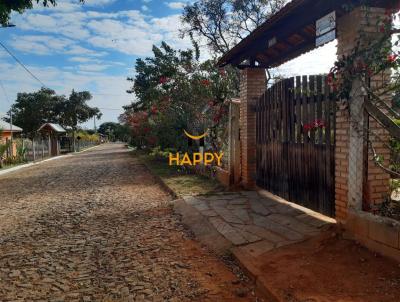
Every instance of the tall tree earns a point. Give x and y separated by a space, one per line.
8 6
115 131
31 110
176 92
75 110
223 23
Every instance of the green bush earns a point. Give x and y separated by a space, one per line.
158 154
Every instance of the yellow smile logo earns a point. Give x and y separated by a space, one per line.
195 137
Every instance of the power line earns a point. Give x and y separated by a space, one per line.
22 64
38 80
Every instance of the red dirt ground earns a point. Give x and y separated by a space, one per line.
330 269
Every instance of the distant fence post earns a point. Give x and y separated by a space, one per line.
49 146
33 149
23 148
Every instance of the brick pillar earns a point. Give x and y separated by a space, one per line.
352 182
252 86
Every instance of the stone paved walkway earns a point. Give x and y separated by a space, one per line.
98 227
260 223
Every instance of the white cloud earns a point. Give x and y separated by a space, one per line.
175 5
144 8
85 38
50 45
93 67
130 32
82 59
99 2
318 61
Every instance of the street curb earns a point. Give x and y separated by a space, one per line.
161 182
20 167
35 163
250 268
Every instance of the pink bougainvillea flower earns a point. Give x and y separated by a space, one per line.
392 58
163 80
205 82
154 110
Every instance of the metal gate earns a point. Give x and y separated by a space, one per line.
295 142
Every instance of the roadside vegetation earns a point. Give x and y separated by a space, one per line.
181 181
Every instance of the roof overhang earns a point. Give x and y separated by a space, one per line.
291 32
52 127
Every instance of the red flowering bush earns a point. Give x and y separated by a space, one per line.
163 80
178 92
317 124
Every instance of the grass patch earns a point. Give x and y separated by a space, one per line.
179 181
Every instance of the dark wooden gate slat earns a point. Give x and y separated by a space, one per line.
320 152
298 110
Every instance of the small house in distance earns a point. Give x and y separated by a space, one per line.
53 133
7 131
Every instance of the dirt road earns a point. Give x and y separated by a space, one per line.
96 226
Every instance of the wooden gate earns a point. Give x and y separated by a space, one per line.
295 142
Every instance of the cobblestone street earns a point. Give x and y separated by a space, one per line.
96 226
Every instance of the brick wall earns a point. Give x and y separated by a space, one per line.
360 25
341 162
252 86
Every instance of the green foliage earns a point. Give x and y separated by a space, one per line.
115 131
31 110
21 150
8 6
75 110
158 154
371 58
180 180
176 92
87 137
4 147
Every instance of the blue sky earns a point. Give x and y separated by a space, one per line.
94 47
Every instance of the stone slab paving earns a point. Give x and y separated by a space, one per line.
258 222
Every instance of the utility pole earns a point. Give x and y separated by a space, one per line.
11 128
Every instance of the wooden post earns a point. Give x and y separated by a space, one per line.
33 149
49 147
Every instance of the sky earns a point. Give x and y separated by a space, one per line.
94 47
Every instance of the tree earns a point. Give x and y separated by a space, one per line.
31 110
176 92
222 23
8 6
115 131
75 110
